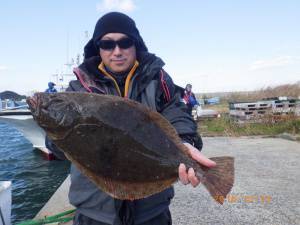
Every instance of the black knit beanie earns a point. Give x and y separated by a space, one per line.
114 22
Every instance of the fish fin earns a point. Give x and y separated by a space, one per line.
219 179
124 190
131 191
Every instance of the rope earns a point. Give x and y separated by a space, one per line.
50 219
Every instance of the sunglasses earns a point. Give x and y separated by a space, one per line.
123 43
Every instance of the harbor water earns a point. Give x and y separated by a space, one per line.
34 179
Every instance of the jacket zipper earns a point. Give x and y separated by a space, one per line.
128 78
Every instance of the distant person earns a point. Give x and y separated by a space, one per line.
51 88
189 98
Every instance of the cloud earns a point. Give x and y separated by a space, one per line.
116 5
3 67
275 62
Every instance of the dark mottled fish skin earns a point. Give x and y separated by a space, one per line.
128 150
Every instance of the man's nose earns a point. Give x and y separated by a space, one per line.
117 50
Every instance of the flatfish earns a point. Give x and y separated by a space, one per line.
128 150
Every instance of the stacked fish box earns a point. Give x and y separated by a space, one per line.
250 110
256 110
285 107
297 109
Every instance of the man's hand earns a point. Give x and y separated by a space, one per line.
187 177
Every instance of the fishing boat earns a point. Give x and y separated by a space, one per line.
17 114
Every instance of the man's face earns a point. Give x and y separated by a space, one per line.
118 59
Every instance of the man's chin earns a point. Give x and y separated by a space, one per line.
119 68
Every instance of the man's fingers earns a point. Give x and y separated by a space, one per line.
198 156
183 176
187 177
192 178
202 159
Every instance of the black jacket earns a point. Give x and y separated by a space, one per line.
153 87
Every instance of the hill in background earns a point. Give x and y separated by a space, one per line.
289 90
11 95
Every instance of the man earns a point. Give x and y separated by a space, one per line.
51 88
117 62
189 99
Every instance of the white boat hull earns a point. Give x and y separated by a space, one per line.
5 202
28 127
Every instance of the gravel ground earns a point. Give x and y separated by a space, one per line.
266 188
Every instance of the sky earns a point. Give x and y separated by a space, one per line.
215 45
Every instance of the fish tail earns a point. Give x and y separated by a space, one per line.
219 179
